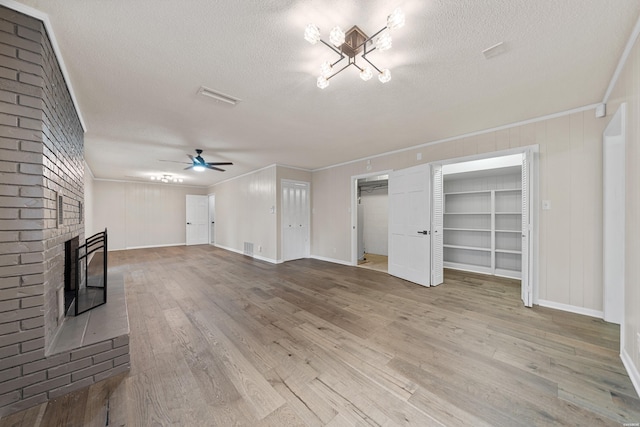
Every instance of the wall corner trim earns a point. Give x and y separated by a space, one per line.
35 13
623 60
632 370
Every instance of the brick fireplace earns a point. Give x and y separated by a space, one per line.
41 198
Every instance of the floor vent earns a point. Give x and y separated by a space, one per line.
248 248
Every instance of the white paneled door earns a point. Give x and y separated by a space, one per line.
410 224
295 220
197 220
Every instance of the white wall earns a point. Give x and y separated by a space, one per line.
244 213
376 220
141 214
88 202
570 264
627 90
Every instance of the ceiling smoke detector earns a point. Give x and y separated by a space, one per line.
218 96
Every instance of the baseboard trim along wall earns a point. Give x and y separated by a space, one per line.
335 261
633 372
258 257
151 246
571 308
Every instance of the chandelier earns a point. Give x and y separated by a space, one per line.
353 43
166 179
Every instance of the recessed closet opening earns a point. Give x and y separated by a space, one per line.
372 204
483 207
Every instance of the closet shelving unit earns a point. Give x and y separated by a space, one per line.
482 228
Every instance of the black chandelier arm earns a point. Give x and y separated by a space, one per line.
341 69
332 48
371 63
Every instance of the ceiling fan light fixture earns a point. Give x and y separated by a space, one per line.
326 69
366 73
199 168
384 76
396 19
336 37
322 82
383 42
354 45
312 34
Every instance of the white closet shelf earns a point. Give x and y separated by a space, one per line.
467 192
488 230
507 231
508 213
508 251
504 190
468 248
467 213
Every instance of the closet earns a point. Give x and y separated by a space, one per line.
483 220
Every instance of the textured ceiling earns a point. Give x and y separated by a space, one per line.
136 65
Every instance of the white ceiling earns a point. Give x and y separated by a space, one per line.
136 65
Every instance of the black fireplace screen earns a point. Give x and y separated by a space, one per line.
89 289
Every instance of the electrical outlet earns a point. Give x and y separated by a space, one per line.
419 156
259 248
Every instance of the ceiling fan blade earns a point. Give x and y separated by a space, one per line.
219 163
208 166
173 161
191 157
188 167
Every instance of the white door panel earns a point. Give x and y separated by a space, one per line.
295 220
437 226
409 224
197 214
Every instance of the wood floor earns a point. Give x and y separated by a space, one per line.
219 339
375 262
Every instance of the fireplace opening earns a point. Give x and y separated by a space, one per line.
85 274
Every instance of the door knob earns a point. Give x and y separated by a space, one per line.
188 223
424 232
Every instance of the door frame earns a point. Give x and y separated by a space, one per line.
613 296
354 211
307 249
212 217
534 183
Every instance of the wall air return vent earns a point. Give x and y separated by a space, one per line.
218 96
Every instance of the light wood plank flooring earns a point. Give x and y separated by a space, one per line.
375 262
219 339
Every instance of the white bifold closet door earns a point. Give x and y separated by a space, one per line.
295 220
527 241
437 226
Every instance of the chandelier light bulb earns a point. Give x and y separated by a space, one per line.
396 19
384 76
383 42
336 37
323 82
312 34
366 73
326 69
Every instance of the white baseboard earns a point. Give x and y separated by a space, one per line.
258 257
152 246
335 261
632 370
571 308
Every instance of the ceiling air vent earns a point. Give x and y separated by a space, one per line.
218 96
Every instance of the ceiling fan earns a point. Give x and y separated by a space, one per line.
198 163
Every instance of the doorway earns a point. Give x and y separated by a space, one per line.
372 225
